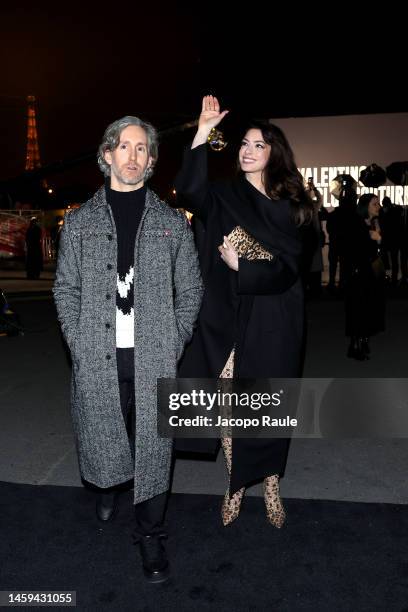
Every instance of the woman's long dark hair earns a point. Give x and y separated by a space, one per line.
282 179
363 202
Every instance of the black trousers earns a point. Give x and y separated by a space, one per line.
150 513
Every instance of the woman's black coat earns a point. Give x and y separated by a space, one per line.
259 309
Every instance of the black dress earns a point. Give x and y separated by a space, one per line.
258 309
365 288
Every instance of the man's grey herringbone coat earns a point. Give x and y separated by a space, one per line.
167 298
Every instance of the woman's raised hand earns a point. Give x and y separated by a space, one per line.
209 118
210 113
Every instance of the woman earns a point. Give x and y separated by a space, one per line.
251 320
365 294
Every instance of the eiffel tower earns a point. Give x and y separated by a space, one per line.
33 152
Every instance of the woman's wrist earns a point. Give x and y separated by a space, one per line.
200 137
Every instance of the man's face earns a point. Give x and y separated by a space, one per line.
130 160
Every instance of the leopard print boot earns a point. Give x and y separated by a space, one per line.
231 505
275 511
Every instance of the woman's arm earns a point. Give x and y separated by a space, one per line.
375 232
192 188
191 184
209 118
260 276
263 277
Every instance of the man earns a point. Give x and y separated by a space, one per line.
128 243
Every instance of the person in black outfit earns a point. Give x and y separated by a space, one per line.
365 289
251 320
404 246
56 234
391 231
338 227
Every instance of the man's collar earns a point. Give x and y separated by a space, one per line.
99 199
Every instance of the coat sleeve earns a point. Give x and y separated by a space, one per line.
188 287
192 187
263 277
67 286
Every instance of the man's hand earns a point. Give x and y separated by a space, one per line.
229 254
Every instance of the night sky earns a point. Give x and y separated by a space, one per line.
88 67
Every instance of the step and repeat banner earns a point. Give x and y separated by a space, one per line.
327 146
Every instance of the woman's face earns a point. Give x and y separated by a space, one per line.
374 207
254 152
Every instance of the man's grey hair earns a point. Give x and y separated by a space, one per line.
111 140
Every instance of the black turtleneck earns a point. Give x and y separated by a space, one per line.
127 208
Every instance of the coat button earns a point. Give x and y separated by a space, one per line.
107 325
109 266
108 357
108 296
110 236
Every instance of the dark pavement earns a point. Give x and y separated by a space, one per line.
37 445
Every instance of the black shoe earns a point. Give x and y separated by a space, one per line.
154 558
106 506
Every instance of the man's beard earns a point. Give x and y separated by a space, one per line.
130 180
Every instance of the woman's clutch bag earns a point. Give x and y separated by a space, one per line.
246 245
